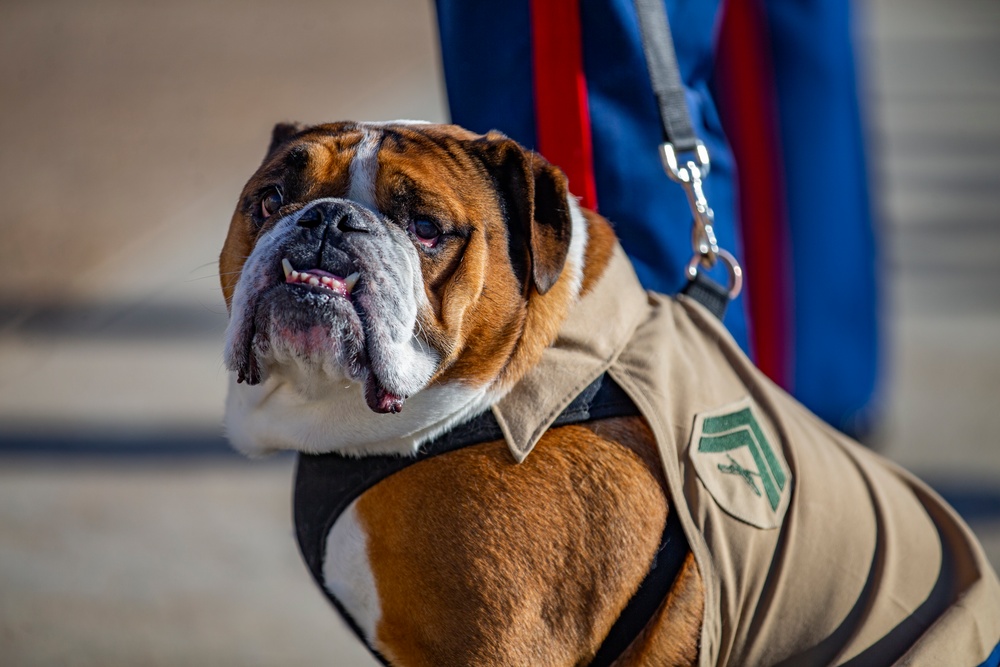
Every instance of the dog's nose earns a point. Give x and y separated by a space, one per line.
335 215
311 218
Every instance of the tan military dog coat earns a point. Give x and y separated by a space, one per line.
813 550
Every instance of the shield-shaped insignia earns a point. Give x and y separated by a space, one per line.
741 464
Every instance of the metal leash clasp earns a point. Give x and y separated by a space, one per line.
706 248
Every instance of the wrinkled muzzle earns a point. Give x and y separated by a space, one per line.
332 293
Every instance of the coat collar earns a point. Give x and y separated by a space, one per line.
597 330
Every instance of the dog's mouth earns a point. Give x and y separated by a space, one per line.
327 284
318 279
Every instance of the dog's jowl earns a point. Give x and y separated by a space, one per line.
511 454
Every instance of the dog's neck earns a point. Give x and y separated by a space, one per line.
282 413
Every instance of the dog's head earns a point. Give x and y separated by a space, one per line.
395 257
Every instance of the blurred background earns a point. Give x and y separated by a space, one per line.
129 534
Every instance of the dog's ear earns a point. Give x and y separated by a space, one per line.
533 193
280 135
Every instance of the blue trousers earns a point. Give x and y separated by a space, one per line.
487 51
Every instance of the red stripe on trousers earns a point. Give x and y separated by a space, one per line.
749 114
562 117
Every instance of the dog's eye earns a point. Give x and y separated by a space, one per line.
271 202
427 232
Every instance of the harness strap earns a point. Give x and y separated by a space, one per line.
708 293
326 484
652 592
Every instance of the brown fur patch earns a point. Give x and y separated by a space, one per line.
543 314
635 434
601 242
482 561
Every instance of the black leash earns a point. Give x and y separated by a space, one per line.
665 76
325 484
680 141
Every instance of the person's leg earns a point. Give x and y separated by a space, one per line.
835 306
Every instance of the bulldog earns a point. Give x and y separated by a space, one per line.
391 285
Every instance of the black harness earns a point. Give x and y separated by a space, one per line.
325 484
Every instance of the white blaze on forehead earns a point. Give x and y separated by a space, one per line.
364 166
364 169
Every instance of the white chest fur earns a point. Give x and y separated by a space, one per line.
347 574
274 416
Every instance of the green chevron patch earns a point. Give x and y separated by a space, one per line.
740 465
